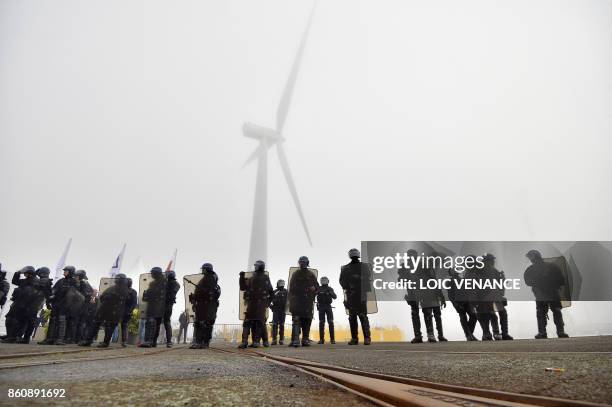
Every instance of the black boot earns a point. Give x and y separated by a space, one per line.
281 334
246 329
306 322
541 318
208 331
274 332
558 319
503 321
332 335
439 328
484 320
295 333
354 329
197 335
264 335
365 327
61 330
321 332
149 334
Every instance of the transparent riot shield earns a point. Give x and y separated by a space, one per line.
113 307
152 295
372 304
291 271
242 304
565 291
189 285
105 284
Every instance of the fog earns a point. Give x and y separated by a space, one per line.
120 121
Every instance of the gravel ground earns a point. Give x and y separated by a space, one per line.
179 377
516 366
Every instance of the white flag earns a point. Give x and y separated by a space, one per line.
116 267
62 261
172 264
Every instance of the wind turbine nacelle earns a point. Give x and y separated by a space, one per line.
260 133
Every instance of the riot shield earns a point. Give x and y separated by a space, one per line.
73 301
112 300
152 295
105 283
291 271
372 304
242 304
189 285
31 298
565 291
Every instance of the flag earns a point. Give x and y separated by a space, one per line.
172 264
116 267
62 261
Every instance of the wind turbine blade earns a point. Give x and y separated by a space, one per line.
285 102
287 172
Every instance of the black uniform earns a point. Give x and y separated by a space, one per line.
355 279
75 331
500 308
205 302
459 299
411 297
257 294
483 300
545 279
302 290
325 296
154 297
27 301
278 307
171 290
431 300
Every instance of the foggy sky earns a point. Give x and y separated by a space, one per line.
120 121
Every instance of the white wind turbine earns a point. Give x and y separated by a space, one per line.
267 138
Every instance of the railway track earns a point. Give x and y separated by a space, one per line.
15 365
388 390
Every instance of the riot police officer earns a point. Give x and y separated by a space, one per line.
278 305
303 287
154 298
407 274
545 279
24 308
499 302
75 327
482 299
460 300
205 302
171 290
355 279
325 296
432 301
257 294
